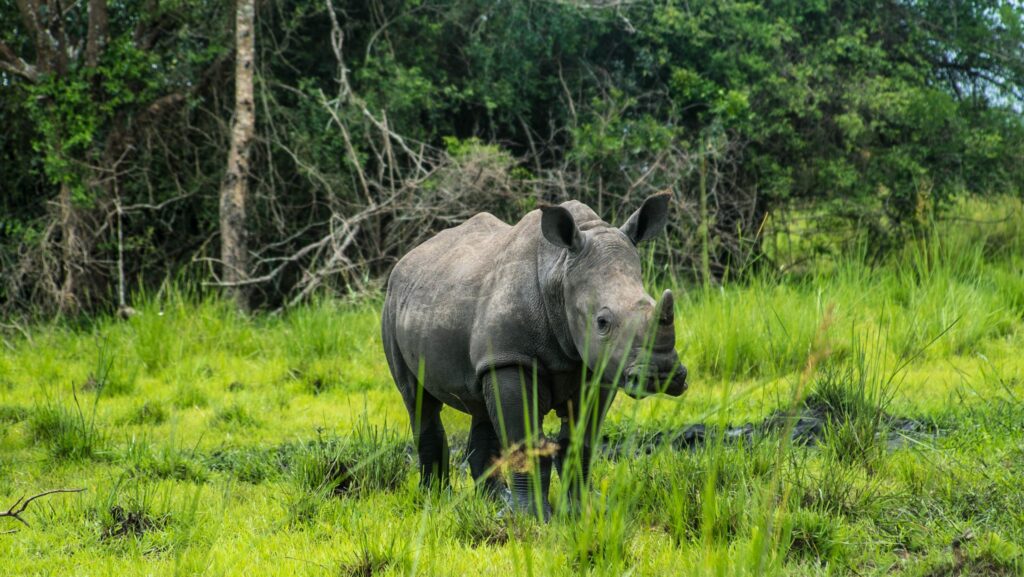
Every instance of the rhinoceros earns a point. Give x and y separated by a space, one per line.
507 323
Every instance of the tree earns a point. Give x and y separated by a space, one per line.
54 46
235 188
83 85
876 112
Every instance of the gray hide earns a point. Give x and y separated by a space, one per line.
505 322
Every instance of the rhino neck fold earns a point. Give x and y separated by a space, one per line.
551 265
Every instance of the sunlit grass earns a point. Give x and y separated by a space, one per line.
215 443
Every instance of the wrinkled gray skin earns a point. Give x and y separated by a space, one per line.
480 309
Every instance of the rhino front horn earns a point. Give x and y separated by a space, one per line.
667 308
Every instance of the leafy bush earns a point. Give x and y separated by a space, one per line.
876 115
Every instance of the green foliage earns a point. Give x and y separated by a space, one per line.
835 100
72 111
878 114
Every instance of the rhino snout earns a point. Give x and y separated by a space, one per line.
678 384
648 380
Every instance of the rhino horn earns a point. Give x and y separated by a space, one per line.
667 309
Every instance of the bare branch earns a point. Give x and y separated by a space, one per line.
353 156
21 504
337 44
348 229
158 206
11 62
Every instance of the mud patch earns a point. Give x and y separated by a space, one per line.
122 522
806 427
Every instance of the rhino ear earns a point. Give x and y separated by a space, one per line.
559 228
649 220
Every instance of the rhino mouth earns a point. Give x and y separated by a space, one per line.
643 380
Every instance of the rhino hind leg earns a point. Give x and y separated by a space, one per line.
430 440
428 432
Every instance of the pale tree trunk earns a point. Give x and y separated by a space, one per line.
235 187
70 251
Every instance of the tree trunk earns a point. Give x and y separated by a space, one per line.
704 227
235 187
70 253
96 38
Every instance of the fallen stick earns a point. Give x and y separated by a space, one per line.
22 503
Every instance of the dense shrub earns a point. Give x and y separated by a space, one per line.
877 111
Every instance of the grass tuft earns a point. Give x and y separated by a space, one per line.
598 535
148 413
479 522
992 557
373 558
252 465
68 433
234 416
11 414
813 536
190 396
372 459
167 461
133 521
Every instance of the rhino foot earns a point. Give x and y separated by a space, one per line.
501 495
524 498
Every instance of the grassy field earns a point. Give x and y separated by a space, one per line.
209 443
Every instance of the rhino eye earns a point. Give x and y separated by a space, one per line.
603 322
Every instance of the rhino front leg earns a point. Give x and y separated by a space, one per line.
517 404
530 488
484 449
582 417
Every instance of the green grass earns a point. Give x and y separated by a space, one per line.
210 443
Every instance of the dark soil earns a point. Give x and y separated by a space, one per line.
808 427
127 522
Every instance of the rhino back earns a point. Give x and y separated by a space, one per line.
467 300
